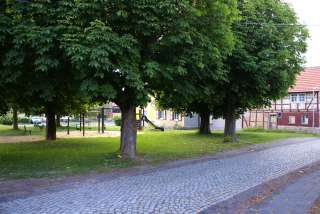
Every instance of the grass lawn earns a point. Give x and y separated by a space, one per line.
72 156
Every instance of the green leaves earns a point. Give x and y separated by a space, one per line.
267 57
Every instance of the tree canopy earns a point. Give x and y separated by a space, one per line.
126 52
266 59
210 41
35 69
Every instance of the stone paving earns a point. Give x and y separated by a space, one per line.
296 198
186 189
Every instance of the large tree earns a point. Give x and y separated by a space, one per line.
268 55
35 71
210 42
116 47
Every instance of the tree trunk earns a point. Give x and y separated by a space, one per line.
205 122
128 132
3 6
230 127
51 128
58 121
15 119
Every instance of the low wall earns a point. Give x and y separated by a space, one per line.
312 130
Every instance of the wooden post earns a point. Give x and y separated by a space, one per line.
249 119
68 127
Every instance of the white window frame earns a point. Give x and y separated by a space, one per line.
175 116
162 115
304 119
295 96
290 122
302 96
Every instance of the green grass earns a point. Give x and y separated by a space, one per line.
74 156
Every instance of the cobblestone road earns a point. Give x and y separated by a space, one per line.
185 189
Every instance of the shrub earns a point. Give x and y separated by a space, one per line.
23 120
5 120
227 139
117 120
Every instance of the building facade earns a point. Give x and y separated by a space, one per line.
297 111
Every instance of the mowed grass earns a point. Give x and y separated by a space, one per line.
74 156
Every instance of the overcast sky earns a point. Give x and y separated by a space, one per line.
309 13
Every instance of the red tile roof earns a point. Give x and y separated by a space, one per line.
307 81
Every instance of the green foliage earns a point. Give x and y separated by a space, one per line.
24 120
117 120
35 70
6 120
267 57
210 41
227 139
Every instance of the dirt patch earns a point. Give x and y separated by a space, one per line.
315 209
61 135
88 134
20 139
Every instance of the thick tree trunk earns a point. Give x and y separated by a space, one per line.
58 121
3 6
51 128
205 122
128 132
15 119
230 127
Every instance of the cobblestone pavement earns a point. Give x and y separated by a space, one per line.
188 188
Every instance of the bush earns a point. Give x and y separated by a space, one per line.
5 120
117 120
227 139
23 120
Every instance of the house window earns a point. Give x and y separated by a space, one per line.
175 116
162 115
294 98
292 120
302 97
304 119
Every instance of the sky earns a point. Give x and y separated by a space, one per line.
309 13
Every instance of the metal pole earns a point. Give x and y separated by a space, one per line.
318 108
256 123
263 119
68 130
102 120
83 126
313 109
99 123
